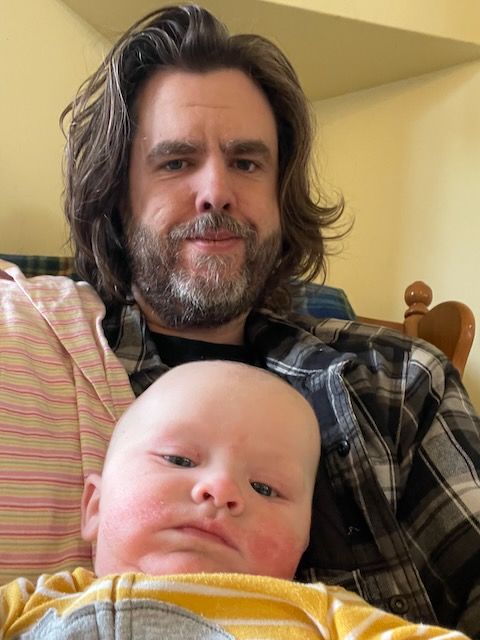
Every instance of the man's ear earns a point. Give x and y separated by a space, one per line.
91 507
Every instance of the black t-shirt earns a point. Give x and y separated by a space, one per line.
174 350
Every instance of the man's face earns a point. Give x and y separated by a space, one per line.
206 481
202 220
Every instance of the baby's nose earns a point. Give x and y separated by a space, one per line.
222 491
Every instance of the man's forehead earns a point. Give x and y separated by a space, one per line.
169 77
227 93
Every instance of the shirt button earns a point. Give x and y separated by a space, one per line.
343 448
352 530
398 605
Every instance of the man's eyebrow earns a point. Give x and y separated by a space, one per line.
167 148
246 147
173 148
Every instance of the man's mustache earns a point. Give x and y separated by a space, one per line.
210 222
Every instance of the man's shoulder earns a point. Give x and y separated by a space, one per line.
348 337
369 358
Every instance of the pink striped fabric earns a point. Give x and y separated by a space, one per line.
61 392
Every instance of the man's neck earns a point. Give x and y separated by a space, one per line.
229 333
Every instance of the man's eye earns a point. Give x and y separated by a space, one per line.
245 165
264 489
179 461
175 165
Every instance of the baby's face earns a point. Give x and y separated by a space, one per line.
205 481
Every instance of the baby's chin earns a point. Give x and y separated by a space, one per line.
173 563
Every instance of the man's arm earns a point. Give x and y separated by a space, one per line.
421 439
440 504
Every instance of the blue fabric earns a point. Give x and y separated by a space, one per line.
42 265
319 301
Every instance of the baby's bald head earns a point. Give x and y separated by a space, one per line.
230 387
217 446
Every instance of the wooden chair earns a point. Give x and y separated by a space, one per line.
450 326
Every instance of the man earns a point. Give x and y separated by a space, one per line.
191 210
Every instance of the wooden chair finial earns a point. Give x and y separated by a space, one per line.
418 297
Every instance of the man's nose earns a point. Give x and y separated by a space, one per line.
215 188
221 491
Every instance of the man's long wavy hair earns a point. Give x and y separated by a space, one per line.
102 123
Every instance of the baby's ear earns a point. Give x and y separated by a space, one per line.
91 507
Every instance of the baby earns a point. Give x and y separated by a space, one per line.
199 519
211 469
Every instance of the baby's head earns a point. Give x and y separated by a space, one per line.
212 469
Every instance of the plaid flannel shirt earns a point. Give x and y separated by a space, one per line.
400 458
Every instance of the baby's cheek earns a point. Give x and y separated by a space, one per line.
132 521
128 533
274 554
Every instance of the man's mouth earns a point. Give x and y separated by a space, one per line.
215 236
215 241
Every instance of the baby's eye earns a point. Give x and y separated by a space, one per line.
264 489
179 461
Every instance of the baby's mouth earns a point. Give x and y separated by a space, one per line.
208 530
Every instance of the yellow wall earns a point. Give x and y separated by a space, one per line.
407 158
45 52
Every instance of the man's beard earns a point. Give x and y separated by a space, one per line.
210 292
